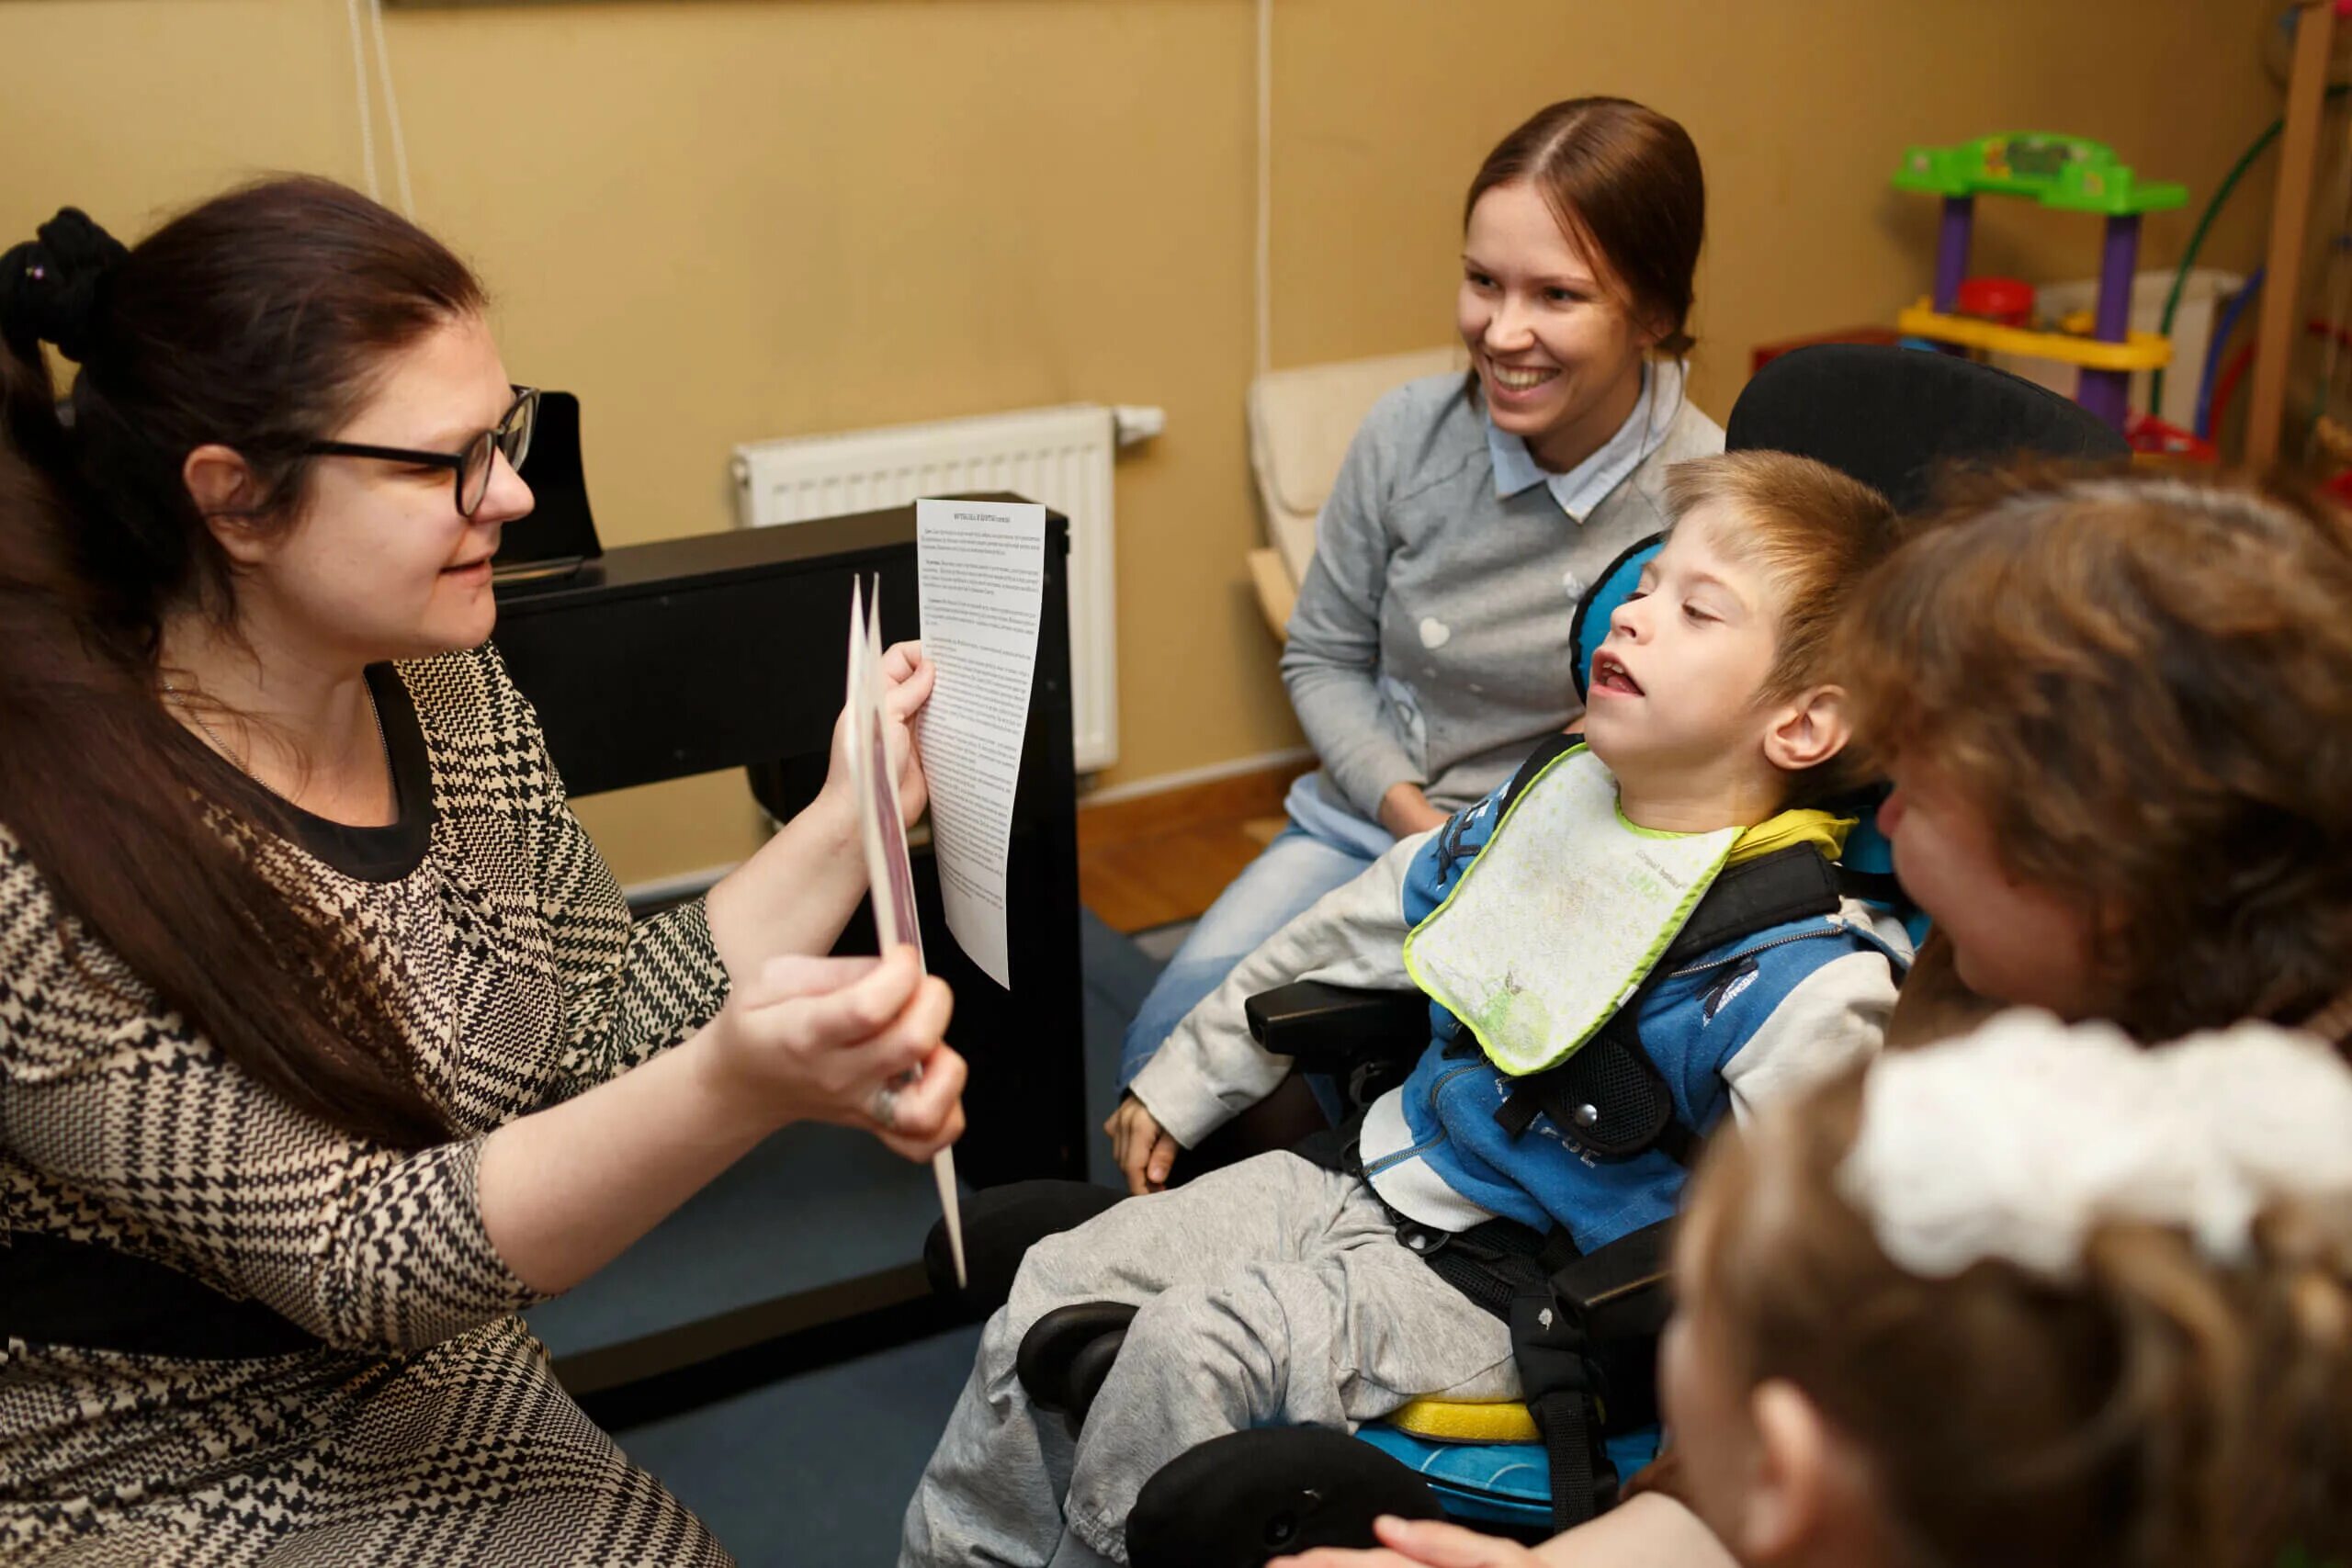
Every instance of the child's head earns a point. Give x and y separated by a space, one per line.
1716 680
2118 712
2037 1296
1579 238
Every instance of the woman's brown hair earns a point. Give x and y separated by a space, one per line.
258 320
2163 1412
1625 184
2144 684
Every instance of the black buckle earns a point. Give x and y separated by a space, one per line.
1423 1241
1549 1342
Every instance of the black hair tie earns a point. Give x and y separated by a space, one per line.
52 287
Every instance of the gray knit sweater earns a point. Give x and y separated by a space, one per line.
1430 644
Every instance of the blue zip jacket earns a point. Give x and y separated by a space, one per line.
1751 1019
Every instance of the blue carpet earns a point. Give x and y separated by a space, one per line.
813 1207
816 1469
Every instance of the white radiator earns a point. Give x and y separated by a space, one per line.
1059 455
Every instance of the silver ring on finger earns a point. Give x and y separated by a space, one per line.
885 1107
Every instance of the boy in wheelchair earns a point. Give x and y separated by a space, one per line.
1634 934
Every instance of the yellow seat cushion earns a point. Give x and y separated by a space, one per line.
1467 1421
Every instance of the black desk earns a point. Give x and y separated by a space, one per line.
728 651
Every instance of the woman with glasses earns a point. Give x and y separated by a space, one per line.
326 1040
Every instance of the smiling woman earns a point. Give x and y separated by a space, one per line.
326 1039
1429 650
1579 239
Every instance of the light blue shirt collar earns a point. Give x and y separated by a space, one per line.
1588 484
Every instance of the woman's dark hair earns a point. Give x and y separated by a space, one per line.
259 321
1624 182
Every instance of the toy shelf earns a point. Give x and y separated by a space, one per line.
2138 351
2066 174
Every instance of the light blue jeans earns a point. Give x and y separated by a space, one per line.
1325 846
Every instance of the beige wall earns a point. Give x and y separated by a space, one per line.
1799 108
721 220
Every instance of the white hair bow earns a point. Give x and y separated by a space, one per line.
2017 1140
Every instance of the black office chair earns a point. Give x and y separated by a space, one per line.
1894 418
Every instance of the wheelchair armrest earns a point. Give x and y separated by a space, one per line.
1329 1028
1234 1501
1067 1354
1621 1288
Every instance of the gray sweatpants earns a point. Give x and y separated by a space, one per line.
1271 1292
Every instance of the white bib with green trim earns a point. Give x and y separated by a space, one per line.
1561 916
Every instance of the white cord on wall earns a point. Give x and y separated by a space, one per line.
1265 252
367 121
391 104
392 109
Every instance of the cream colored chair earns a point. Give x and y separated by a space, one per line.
1300 424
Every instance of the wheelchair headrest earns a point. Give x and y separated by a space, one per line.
1611 588
1889 417
1894 417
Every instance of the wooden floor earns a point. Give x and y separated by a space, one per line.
1162 858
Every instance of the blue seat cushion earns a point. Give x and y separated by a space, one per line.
1504 1484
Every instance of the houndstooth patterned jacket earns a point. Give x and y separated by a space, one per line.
416 1421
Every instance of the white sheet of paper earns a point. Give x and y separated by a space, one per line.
882 824
983 570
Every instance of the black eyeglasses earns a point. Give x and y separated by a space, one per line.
511 435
